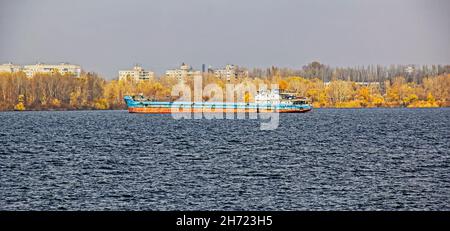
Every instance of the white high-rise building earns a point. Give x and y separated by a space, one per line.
226 73
10 68
229 72
137 73
184 72
63 68
31 70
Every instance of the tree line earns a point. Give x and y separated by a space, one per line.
370 73
90 91
51 91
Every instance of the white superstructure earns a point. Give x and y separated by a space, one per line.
268 97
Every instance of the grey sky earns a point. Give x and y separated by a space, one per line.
105 36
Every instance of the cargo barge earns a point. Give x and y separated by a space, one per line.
265 102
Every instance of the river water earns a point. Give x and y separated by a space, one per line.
327 159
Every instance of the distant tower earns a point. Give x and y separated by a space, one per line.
203 68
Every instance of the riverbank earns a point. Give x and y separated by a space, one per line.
90 91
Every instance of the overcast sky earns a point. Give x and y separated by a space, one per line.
107 35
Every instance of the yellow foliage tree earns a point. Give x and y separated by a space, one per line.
248 97
410 99
20 106
56 103
101 104
377 101
283 84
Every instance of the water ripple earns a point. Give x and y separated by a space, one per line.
367 159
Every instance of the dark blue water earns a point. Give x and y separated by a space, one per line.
363 159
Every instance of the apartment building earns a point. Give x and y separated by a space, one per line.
62 68
10 68
229 72
137 73
31 70
185 71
